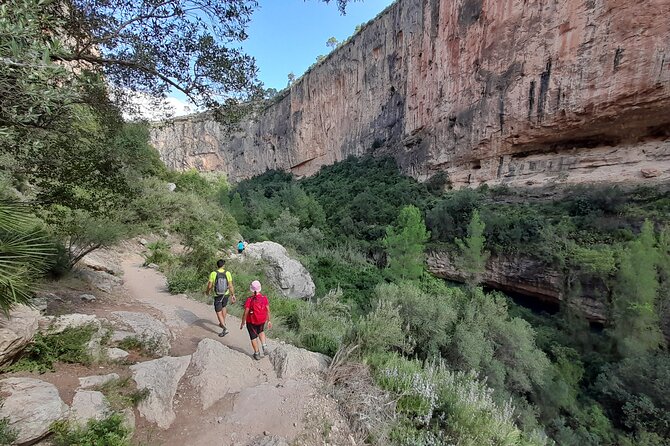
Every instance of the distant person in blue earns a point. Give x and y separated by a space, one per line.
240 247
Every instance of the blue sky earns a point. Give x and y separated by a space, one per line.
287 35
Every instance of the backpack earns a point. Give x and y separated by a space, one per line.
221 283
258 310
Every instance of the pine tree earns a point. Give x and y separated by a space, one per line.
405 244
473 257
636 321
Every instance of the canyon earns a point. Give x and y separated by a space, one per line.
523 93
516 92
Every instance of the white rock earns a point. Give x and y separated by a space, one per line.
75 320
40 303
153 266
161 377
87 382
101 280
120 335
288 274
116 354
88 298
17 331
143 242
290 361
32 406
103 260
129 417
216 371
152 332
87 405
171 187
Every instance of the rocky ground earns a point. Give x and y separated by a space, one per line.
202 389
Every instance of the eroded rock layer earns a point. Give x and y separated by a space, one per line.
522 92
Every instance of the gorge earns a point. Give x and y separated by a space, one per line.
520 93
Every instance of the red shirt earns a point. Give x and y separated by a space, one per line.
258 309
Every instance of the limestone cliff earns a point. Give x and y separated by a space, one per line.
524 92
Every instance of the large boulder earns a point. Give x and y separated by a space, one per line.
161 377
32 406
156 336
103 260
216 371
101 280
88 405
288 274
290 361
16 331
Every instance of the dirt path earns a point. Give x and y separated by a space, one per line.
294 409
190 321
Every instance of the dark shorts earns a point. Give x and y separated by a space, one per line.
220 303
239 251
255 330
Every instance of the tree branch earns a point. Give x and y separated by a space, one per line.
125 63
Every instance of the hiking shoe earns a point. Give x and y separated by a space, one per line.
257 356
266 349
223 333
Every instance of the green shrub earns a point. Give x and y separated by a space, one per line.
8 435
185 279
143 346
159 254
444 407
324 324
122 394
428 318
110 431
636 393
380 330
69 346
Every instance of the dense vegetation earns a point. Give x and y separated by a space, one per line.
454 364
358 225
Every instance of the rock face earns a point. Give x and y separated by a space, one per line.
88 405
516 92
31 406
288 274
528 277
216 371
155 334
17 331
290 361
161 377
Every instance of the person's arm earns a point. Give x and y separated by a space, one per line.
210 285
244 318
233 299
269 317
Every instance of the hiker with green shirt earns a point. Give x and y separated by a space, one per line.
222 283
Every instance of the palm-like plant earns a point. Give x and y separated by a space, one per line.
25 253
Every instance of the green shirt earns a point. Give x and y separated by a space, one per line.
212 278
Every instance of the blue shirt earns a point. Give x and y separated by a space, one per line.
240 245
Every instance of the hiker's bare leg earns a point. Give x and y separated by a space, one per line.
254 345
261 336
221 316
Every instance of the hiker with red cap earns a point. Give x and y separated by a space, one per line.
256 314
